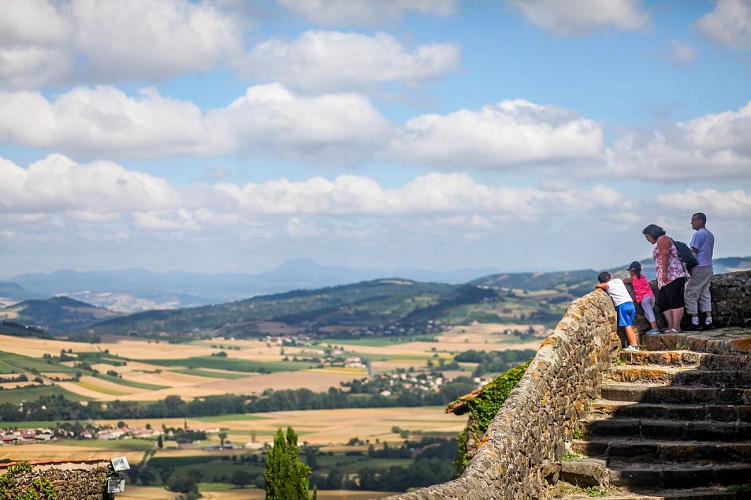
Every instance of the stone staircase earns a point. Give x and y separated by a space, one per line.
672 421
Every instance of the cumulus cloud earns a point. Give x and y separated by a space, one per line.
498 136
365 12
332 60
580 17
57 184
153 38
33 39
267 120
728 24
44 42
715 146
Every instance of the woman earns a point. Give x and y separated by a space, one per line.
671 278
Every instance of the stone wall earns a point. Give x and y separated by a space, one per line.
516 457
731 302
78 481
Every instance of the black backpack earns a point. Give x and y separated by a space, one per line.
685 255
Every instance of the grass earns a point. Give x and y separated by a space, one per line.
230 418
380 341
210 374
103 390
114 444
131 383
15 396
231 364
181 461
16 363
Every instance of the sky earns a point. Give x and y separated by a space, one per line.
233 136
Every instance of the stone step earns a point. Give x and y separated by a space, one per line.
710 493
688 359
653 393
677 375
661 451
603 408
707 430
725 341
677 475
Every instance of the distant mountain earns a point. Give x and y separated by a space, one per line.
562 281
56 315
13 292
132 290
372 307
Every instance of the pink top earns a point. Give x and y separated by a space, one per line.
675 268
641 288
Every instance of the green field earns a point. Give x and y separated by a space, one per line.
231 364
114 444
210 374
131 383
16 363
380 341
230 418
15 396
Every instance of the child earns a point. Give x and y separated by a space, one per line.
644 295
624 306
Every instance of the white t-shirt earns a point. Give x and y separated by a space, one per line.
617 290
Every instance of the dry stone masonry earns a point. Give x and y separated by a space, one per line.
519 456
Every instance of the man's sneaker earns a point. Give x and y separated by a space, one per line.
693 328
631 348
709 326
653 331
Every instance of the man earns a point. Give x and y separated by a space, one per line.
697 287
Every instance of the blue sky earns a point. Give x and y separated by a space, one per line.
231 136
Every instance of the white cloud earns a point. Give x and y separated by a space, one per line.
498 136
58 185
338 129
33 38
332 60
136 39
365 12
713 147
729 24
267 120
578 17
52 43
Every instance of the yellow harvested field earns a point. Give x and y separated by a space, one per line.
36 348
157 493
43 451
253 384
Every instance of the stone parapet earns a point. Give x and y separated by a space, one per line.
517 456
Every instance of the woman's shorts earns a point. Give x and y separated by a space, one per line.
626 313
671 295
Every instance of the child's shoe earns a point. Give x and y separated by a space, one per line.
709 326
631 348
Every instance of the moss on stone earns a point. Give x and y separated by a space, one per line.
483 407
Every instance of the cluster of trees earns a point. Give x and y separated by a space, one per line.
495 361
57 407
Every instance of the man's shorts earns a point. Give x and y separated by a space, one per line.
671 295
626 313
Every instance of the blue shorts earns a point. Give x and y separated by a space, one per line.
626 313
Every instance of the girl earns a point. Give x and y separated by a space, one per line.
644 295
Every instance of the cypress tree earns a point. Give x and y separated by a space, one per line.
286 475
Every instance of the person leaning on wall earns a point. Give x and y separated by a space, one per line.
671 277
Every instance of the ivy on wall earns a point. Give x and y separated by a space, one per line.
483 408
10 487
